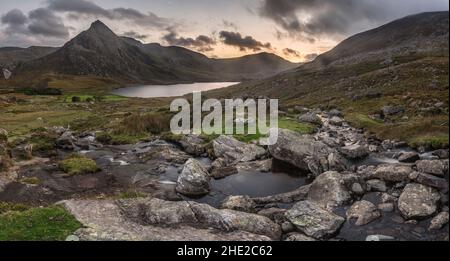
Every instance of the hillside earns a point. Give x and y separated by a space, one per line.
11 56
100 52
356 78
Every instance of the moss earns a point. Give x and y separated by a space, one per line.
103 137
7 207
31 180
78 165
37 224
434 142
294 125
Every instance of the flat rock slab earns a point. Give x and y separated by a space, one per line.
418 201
314 221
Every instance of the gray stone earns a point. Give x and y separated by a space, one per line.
442 154
376 185
355 151
434 167
314 221
418 201
357 189
439 221
392 110
336 121
234 151
334 112
329 190
386 207
239 203
311 118
432 181
298 237
193 144
409 157
289 197
194 180
393 172
364 211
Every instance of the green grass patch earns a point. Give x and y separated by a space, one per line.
7 207
76 164
37 224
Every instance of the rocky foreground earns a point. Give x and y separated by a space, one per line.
361 188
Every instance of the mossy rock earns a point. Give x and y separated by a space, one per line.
78 165
3 136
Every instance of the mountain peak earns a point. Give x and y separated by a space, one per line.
99 27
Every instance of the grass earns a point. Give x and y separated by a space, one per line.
76 164
37 224
7 207
31 180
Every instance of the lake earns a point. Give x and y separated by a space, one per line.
175 90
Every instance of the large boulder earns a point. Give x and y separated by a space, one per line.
234 151
314 221
158 220
364 212
434 167
336 121
193 144
311 117
439 221
194 180
305 153
409 157
66 141
392 172
418 201
430 180
355 151
329 190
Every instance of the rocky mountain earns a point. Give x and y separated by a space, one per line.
11 56
421 33
100 52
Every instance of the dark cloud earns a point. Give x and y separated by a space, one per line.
291 52
201 43
311 18
45 22
135 35
14 18
311 56
80 8
228 24
243 43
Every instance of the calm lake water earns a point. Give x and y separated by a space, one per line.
176 90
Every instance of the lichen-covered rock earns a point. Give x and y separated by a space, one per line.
193 144
434 167
310 117
364 211
336 121
418 201
392 172
376 185
329 190
314 221
439 221
239 203
355 151
234 151
194 180
431 180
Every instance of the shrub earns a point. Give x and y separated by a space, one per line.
76 99
78 165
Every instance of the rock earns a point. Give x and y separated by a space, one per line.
72 238
357 189
239 203
194 180
386 207
22 152
392 110
259 165
287 227
442 154
234 151
418 201
193 145
223 172
303 152
336 121
434 167
439 221
159 152
431 181
386 198
274 214
379 238
289 197
354 151
393 172
376 185
364 211
297 237
301 109
66 141
5 158
3 136
158 220
334 113
310 117
329 191
314 221
409 157
6 73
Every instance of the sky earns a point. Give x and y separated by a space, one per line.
297 30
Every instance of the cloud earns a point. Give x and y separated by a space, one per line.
14 18
45 22
201 43
80 8
228 24
310 57
291 52
243 43
135 35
